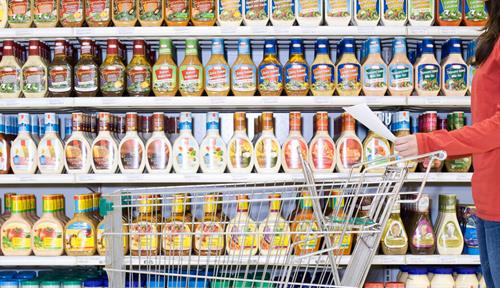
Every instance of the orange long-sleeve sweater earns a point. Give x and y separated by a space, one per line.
481 139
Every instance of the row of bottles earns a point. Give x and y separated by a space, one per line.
371 76
23 13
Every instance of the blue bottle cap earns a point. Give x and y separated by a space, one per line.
244 46
442 270
417 270
322 46
349 46
218 46
93 283
177 283
296 46
373 45
197 283
466 270
455 46
427 46
7 274
26 275
270 47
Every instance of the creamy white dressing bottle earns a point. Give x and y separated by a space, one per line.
77 152
322 154
427 71
454 70
282 12
186 148
256 12
229 12
23 151
10 72
309 12
213 149
366 12
104 147
241 232
450 240
338 12
158 148
267 152
349 147
394 12
294 145
421 12
240 149
34 73
50 148
400 70
132 151
374 70
274 231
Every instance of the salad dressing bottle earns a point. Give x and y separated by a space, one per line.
213 149
209 231
60 72
243 71
400 70
374 70
421 12
176 233
149 218
50 148
240 148
104 147
132 152
322 153
217 71
375 147
203 12
186 148
296 71
10 72
158 147
338 12
177 12
112 71
401 128
348 70
474 13
4 149
241 232
449 237
71 13
394 239
191 71
274 231
80 236
366 13
322 70
256 12
427 71
139 71
34 72
165 72
98 13
270 70
449 13
394 13
229 13
309 12
15 234
19 14
294 145
48 231
86 71
423 239
349 147
151 13
45 13
282 12
454 70
23 151
78 157
304 228
267 152
123 13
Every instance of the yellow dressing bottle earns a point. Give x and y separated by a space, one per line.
349 147
243 71
177 12
322 70
270 70
48 231
241 232
80 236
240 148
16 231
191 71
213 243
348 70
19 13
203 12
296 71
274 231
148 219
176 234
267 152
305 227
139 71
150 12
112 71
217 71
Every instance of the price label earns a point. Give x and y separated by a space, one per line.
57 101
373 100
322 100
239 178
418 31
134 177
217 100
433 100
462 177
422 260
389 259
162 100
12 102
125 31
110 100
22 32
83 32
90 260
270 100
86 178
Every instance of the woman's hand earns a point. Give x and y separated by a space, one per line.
406 146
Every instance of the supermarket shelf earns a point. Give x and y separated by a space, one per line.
242 31
434 102
200 178
229 260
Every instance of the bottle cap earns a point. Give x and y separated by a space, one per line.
296 46
270 46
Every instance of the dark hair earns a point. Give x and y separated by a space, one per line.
487 40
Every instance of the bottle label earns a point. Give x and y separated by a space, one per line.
283 10
367 10
470 231
243 77
275 237
71 11
296 77
164 77
348 77
16 237
34 79
395 237
268 152
209 238
458 165
86 78
322 77
19 11
97 10
80 237
309 8
307 241
421 10
131 154
23 154
139 79
101 239
3 155
240 153
176 237
45 11
428 77
270 77
423 236
177 11
212 151
150 10
451 236
10 79
76 154
49 154
230 10
292 156
158 154
217 77
60 78
400 76
242 237
350 152
256 10
144 242
338 8
203 10
186 155
450 10
376 149
124 10
190 78
455 77
475 10
323 153
375 76
48 236
103 154
395 10
112 78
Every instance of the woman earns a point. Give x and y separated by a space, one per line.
482 140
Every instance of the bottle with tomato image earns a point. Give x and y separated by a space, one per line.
48 231
176 234
15 234
294 145
349 147
305 227
147 222
322 152
209 230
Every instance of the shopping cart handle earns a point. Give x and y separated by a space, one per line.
395 159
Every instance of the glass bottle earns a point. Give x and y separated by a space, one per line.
241 232
4 148
148 219
60 72
322 70
243 71
322 153
50 148
165 72
304 227
400 70
212 148
34 72
374 70
217 71
270 70
296 71
274 231
423 240
186 148
394 239
104 147
139 71
23 150
86 72
10 71
240 148
294 145
450 240
132 151
349 146
267 152
158 147
45 13
400 128
191 71
429 124
209 230
456 121
176 234
342 240
78 157
112 71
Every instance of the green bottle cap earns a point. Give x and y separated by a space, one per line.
165 46
191 46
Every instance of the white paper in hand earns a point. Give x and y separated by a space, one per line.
363 114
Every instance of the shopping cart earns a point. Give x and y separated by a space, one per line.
273 234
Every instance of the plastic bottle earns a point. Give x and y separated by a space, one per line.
213 149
